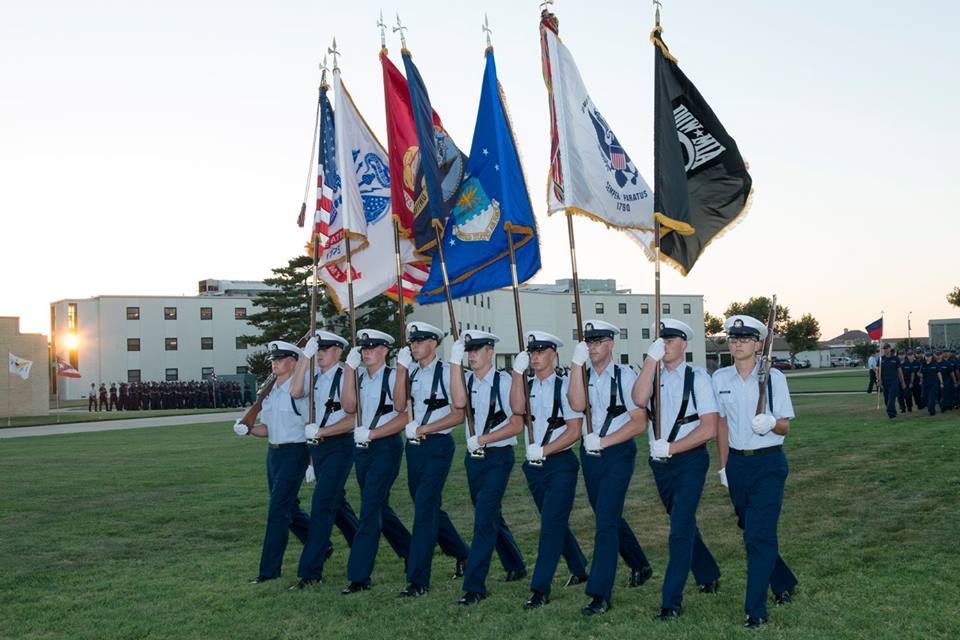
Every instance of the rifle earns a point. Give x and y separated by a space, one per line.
250 416
765 357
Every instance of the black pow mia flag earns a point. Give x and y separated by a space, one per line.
701 183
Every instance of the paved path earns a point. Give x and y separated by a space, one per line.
116 425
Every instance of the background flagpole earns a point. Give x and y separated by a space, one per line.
516 308
880 362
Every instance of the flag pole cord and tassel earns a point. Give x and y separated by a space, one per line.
528 424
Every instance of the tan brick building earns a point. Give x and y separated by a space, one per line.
30 397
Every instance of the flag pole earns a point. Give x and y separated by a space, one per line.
353 314
454 331
658 307
516 309
579 312
880 362
401 301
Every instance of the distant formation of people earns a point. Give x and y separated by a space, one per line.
154 396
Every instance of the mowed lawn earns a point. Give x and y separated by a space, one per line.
826 380
154 533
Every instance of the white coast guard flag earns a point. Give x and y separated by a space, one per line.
364 212
20 366
591 173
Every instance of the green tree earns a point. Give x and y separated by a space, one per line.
759 308
863 350
712 325
954 297
802 334
258 363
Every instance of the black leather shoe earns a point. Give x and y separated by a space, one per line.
303 584
261 579
639 576
596 607
753 623
710 587
536 600
575 580
667 614
355 587
413 591
515 574
471 597
784 597
458 570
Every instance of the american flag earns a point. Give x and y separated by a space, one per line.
414 276
64 370
328 181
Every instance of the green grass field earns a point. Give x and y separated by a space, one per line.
154 533
812 381
96 416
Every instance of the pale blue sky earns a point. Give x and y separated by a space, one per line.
147 145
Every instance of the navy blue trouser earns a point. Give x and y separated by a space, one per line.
918 396
930 392
947 395
554 486
873 381
680 482
377 468
906 400
891 391
487 478
285 469
428 464
332 460
756 491
607 477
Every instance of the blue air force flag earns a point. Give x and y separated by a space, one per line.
491 203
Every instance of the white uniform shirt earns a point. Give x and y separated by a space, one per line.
737 400
600 397
872 362
321 393
480 401
370 388
278 413
541 406
671 397
420 391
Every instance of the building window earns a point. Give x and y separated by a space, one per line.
644 307
645 334
242 370
481 302
133 344
488 302
666 307
240 313
459 327
576 334
206 313
621 307
133 313
241 343
686 308
598 308
688 357
172 375
72 316
624 358
133 375
573 307
623 333
170 344
169 313
206 344
206 372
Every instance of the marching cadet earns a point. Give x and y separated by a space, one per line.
608 456
489 459
679 459
378 447
282 420
752 463
917 388
430 450
103 398
948 377
907 366
330 444
932 382
551 467
891 378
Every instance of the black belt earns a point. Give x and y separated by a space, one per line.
339 436
491 449
766 451
286 445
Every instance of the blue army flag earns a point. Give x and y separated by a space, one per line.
440 174
491 203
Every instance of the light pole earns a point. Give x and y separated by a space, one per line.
909 341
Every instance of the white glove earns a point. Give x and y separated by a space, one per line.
763 423
411 430
723 477
521 362
354 358
591 441
309 476
534 453
404 359
656 350
473 443
580 354
240 429
310 349
311 430
361 435
456 353
660 449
